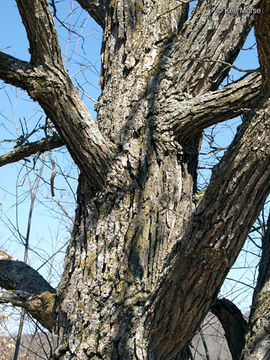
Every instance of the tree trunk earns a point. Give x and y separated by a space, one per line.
118 259
147 255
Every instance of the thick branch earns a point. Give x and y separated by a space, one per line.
40 306
28 289
41 33
14 71
96 9
59 99
50 85
194 115
215 235
257 339
233 323
195 43
262 31
16 275
24 151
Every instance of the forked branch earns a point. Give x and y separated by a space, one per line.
215 235
47 82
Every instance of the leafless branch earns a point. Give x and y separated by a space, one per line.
24 151
16 275
196 114
40 306
233 324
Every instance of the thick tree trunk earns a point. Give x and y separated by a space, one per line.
118 258
147 255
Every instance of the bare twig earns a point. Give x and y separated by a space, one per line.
206 59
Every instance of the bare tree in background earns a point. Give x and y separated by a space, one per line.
148 255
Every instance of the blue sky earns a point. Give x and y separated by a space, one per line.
50 230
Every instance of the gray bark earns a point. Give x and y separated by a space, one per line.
147 257
27 289
17 275
257 346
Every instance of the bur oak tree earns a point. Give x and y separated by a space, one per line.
148 254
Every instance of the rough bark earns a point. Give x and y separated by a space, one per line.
262 29
223 103
257 345
147 256
143 218
40 306
214 236
47 82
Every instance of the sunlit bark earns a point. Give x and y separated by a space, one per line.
147 256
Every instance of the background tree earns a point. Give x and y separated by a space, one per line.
148 254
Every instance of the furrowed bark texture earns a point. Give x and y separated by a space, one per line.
47 82
257 345
147 256
138 303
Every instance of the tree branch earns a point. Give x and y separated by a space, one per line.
24 151
233 323
40 306
16 275
41 33
96 9
191 44
48 83
214 236
257 340
27 289
262 31
196 114
14 71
